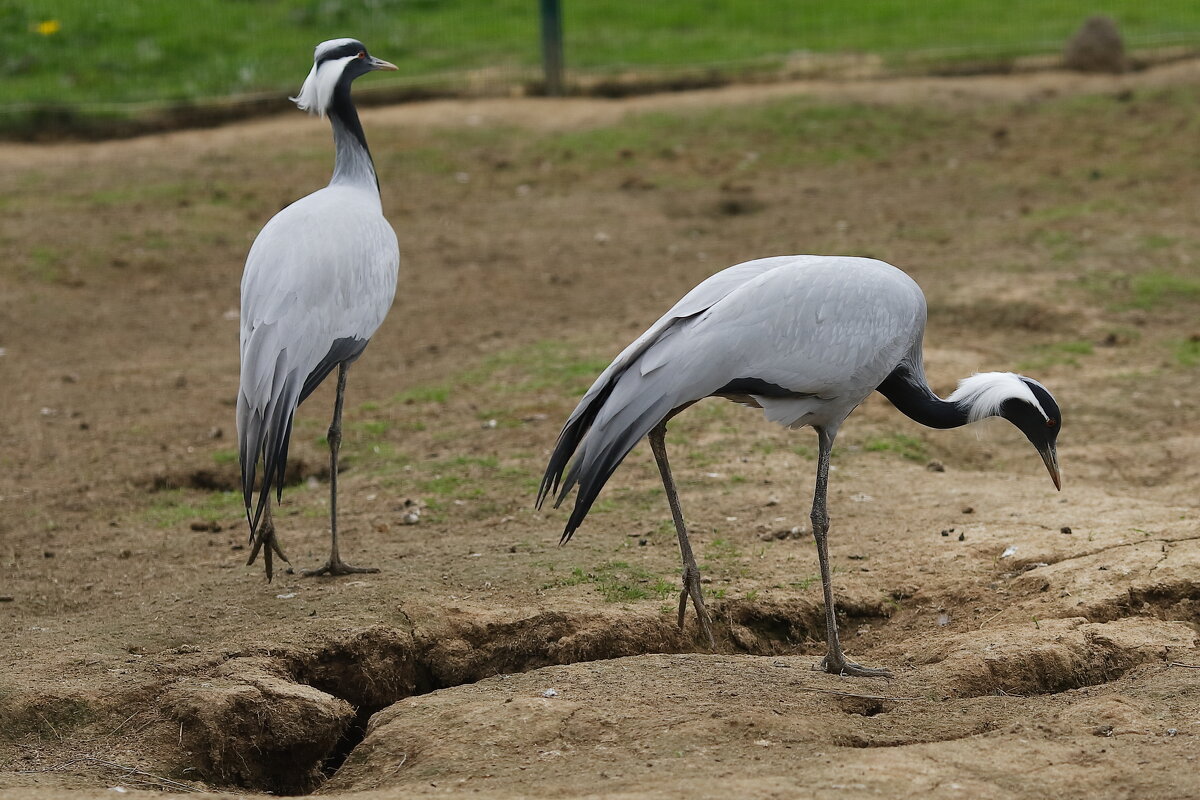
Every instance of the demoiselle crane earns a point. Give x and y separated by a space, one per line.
319 280
806 339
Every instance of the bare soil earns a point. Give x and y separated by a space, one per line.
1044 644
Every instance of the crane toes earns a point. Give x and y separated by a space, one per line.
838 664
337 567
691 588
265 536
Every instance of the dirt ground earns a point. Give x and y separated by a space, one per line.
1044 644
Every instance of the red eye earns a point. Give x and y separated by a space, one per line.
1050 423
362 53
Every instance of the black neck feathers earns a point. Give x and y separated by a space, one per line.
353 159
917 401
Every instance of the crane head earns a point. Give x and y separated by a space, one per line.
1022 401
1040 421
336 62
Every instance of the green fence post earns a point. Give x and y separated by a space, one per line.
552 46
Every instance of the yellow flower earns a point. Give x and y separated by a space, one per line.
48 27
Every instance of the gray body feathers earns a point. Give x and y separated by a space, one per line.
318 282
805 338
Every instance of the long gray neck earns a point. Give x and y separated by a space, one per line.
352 161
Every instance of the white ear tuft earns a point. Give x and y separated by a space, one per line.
984 392
317 92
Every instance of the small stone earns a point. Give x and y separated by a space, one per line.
411 517
962 537
935 466
550 693
947 531
1065 529
968 510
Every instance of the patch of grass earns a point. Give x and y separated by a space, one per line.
81 52
172 508
1064 353
804 584
1151 289
422 394
907 446
460 477
374 428
1187 351
225 456
721 549
619 582
549 364
787 133
1145 290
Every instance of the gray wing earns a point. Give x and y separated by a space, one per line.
808 337
318 282
699 299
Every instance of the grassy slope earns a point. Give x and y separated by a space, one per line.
107 51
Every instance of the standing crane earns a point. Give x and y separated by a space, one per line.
318 282
804 338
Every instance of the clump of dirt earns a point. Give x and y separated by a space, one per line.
257 730
1096 47
1053 655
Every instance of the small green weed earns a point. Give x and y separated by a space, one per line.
907 446
618 582
177 506
1187 351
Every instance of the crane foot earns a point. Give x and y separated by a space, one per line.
264 539
337 567
839 665
691 588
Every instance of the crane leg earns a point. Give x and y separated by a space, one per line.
264 539
335 565
691 572
835 660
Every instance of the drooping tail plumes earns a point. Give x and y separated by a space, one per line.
606 425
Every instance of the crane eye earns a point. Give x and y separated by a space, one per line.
1050 423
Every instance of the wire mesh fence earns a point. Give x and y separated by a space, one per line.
73 60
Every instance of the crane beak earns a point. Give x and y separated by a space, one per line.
1050 457
379 63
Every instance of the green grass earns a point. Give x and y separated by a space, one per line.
619 582
1150 289
1187 352
909 447
1146 291
1049 355
93 53
173 508
790 133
